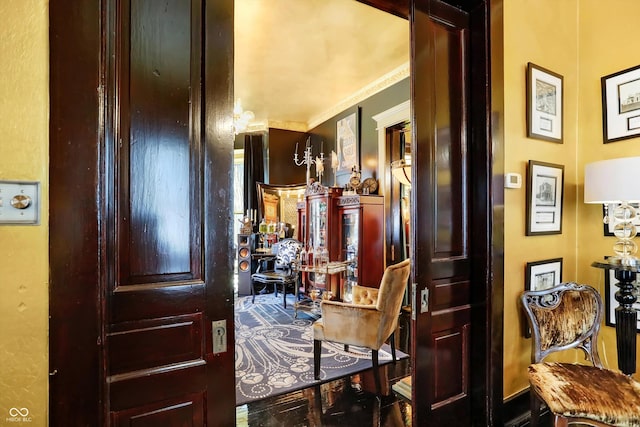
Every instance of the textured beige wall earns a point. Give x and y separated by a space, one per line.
582 40
24 136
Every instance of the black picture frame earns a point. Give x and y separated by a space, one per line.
621 105
610 303
541 275
545 104
545 194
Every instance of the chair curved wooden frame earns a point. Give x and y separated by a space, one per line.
284 273
565 317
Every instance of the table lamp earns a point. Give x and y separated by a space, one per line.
616 184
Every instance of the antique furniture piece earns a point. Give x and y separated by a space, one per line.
284 274
368 321
564 317
361 234
348 228
318 289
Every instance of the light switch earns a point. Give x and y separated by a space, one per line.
19 202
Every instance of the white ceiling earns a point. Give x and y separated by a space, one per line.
299 62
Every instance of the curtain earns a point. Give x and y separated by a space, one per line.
253 170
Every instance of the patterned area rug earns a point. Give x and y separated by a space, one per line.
274 350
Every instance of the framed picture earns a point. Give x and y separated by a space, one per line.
544 198
544 104
621 105
348 142
608 226
610 302
541 275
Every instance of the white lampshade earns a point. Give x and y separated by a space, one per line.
611 181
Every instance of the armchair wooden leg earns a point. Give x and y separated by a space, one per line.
376 370
346 348
392 343
317 350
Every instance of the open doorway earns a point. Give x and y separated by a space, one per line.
369 155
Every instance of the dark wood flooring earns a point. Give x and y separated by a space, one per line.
349 401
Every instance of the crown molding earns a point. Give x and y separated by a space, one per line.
369 90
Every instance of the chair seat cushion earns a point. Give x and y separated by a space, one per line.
573 390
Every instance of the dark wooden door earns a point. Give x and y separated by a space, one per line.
450 232
141 258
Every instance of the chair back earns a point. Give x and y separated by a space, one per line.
564 317
391 292
286 253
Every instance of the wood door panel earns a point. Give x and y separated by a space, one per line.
158 155
176 412
441 201
140 256
146 387
158 334
154 301
145 344
448 294
451 364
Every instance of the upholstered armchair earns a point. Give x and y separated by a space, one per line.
283 274
369 321
564 317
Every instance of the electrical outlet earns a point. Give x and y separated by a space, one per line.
219 332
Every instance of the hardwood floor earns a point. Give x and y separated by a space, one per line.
345 402
349 401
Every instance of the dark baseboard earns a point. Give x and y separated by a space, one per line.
517 412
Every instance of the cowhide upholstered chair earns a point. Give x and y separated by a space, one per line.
564 317
283 274
368 321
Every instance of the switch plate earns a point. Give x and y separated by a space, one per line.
19 203
219 332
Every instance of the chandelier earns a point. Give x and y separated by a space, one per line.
241 118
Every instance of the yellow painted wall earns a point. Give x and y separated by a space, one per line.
582 40
24 142
607 37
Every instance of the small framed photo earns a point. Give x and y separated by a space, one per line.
348 142
544 104
540 275
608 226
621 105
545 183
610 302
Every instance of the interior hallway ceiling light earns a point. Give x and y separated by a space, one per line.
241 118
